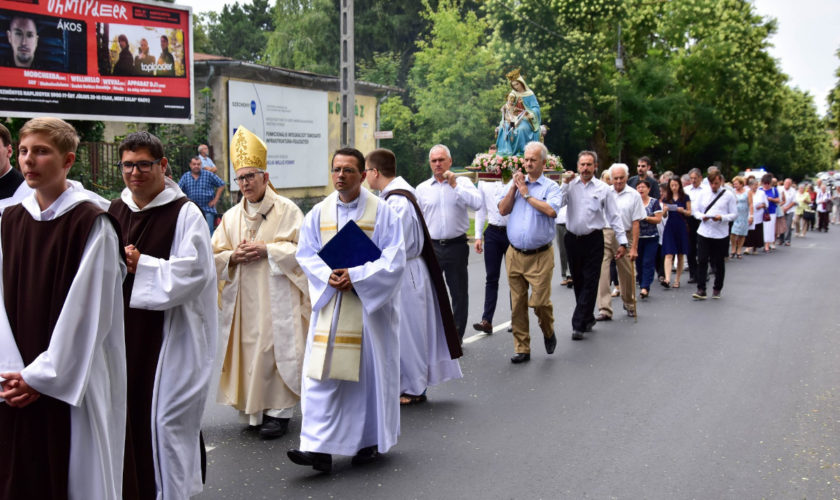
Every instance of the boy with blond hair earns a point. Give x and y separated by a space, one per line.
62 350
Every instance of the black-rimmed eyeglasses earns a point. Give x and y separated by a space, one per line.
144 166
246 177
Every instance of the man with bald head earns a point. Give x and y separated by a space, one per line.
445 199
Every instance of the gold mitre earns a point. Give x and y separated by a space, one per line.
513 75
247 150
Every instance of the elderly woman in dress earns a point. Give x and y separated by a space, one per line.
755 235
743 217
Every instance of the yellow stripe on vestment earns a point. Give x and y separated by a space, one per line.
347 345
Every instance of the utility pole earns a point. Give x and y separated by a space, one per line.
619 65
348 76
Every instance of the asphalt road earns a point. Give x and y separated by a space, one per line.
737 398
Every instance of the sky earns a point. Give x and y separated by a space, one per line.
805 43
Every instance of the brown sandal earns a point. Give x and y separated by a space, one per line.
408 399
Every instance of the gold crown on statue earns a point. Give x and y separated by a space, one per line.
513 75
247 150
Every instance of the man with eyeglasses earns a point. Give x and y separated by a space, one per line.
23 37
351 378
204 188
264 298
170 324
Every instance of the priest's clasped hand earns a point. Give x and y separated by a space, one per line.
132 256
16 391
340 280
248 251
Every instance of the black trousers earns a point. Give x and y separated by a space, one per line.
495 245
693 224
711 251
453 259
585 254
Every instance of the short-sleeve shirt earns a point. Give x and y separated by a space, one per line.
201 190
528 228
646 229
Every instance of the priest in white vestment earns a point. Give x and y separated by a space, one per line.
182 285
355 415
264 296
84 364
425 359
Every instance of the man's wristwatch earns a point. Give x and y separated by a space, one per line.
526 196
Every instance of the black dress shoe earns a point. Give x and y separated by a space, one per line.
692 280
366 455
520 357
318 461
589 325
510 328
483 326
550 343
273 428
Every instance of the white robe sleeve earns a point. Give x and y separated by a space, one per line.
377 282
161 284
62 371
317 271
10 358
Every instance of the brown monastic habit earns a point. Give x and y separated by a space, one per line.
40 261
151 231
453 340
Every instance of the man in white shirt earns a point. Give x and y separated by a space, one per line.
592 206
693 190
631 210
788 193
494 244
714 209
444 200
206 161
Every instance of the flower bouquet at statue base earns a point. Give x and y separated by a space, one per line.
491 166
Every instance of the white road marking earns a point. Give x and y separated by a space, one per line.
479 336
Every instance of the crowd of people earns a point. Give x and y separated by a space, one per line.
108 334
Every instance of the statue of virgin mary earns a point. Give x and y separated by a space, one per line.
520 118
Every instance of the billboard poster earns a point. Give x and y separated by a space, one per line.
293 124
96 60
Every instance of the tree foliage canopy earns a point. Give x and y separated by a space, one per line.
697 86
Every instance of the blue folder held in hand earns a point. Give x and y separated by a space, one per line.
350 247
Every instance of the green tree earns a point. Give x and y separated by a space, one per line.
832 118
305 36
455 83
201 42
241 31
796 143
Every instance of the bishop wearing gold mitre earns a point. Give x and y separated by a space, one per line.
263 296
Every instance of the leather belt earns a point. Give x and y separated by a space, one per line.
534 251
497 228
451 241
587 235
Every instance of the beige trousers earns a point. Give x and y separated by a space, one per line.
626 276
535 270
